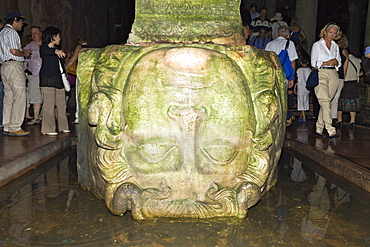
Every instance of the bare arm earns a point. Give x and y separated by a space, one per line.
303 35
345 65
19 53
60 53
293 64
74 57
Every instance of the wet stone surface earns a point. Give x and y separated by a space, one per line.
48 208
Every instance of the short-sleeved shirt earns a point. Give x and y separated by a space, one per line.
259 43
279 44
302 75
9 39
257 23
34 61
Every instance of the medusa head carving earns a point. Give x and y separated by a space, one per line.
179 130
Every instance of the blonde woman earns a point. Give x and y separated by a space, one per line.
325 56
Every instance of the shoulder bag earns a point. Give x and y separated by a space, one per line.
313 78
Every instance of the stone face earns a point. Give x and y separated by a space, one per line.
181 21
180 131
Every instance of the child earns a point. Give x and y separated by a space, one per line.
300 89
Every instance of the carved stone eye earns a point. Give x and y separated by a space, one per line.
155 152
220 155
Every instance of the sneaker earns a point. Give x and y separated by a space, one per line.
302 120
33 122
51 134
18 133
66 131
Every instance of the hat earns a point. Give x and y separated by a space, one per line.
277 17
12 14
367 50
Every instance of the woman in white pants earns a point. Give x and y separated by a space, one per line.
325 56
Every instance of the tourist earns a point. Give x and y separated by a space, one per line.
247 32
298 36
253 11
342 71
349 100
300 89
260 41
276 22
71 67
1 88
52 87
13 75
279 44
261 21
325 57
33 65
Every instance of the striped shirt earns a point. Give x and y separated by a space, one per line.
9 39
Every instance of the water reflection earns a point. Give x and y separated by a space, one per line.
304 208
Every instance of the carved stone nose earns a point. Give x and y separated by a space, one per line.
187 116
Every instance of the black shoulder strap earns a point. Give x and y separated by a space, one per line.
254 41
287 44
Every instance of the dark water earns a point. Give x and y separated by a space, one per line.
47 208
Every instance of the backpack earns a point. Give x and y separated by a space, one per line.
286 63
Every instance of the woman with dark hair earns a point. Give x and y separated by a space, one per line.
51 84
325 57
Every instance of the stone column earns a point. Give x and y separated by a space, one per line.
367 31
354 27
271 8
306 12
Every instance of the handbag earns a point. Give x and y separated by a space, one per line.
313 79
66 84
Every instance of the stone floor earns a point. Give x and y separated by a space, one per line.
348 155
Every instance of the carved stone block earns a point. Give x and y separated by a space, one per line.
180 131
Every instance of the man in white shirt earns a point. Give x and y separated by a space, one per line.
280 43
277 46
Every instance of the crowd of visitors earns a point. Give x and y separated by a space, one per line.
338 71
33 76
41 64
